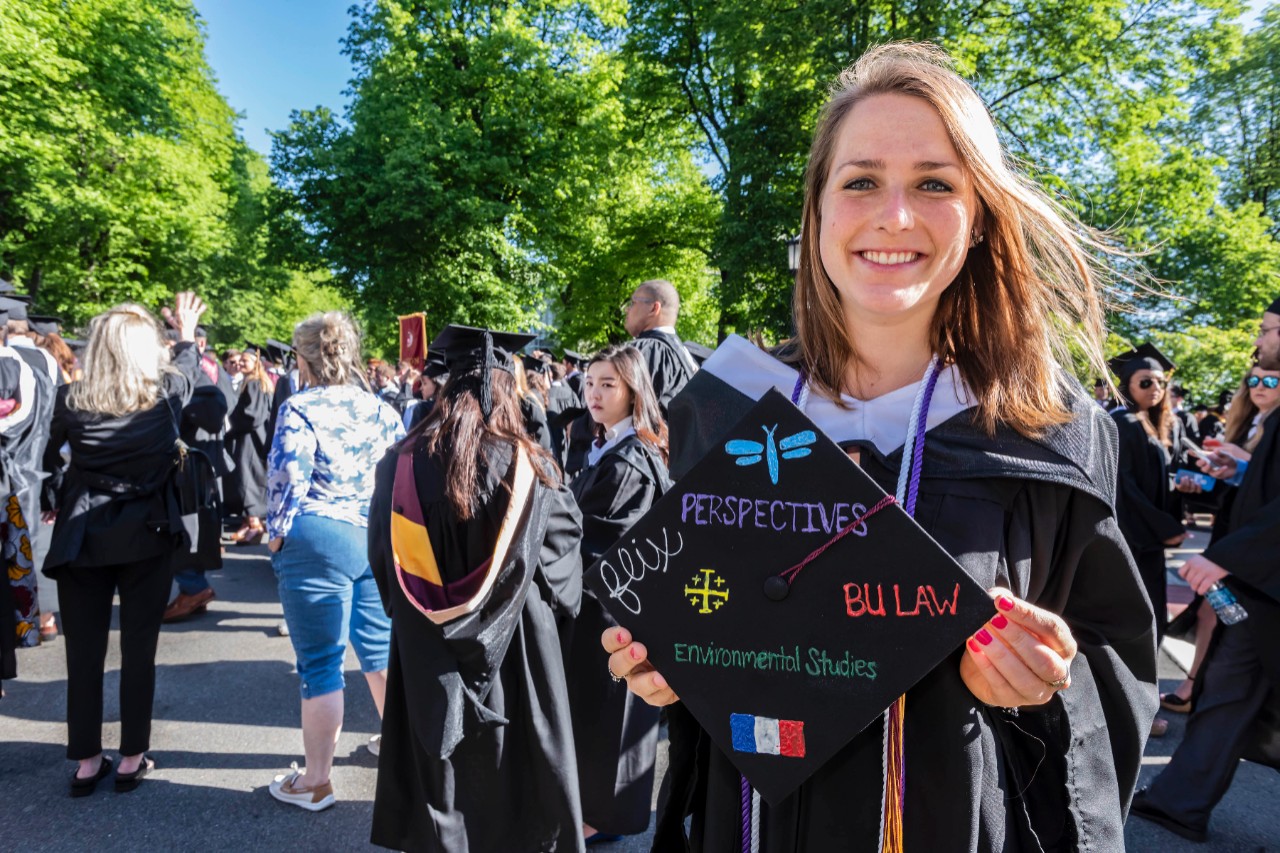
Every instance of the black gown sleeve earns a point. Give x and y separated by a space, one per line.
1148 525
379 530
559 577
613 497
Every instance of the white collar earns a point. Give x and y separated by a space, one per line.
882 421
612 436
667 330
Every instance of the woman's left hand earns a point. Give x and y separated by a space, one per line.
1022 656
275 544
185 316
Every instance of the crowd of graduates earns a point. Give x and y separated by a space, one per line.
438 517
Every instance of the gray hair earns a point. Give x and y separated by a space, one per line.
329 343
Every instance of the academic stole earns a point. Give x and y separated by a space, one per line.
893 751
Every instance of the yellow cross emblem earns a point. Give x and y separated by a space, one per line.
706 577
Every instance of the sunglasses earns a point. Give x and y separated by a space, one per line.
1271 382
1146 384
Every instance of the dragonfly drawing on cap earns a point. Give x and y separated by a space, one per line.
792 447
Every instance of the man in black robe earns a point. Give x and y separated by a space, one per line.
651 320
1237 701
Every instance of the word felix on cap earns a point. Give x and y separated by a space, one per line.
751 452
764 514
767 736
633 563
858 601
706 577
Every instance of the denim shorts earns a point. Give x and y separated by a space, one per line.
329 596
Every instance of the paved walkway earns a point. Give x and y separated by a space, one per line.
226 722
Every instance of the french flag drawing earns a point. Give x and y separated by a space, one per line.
767 736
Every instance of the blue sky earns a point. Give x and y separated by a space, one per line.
275 56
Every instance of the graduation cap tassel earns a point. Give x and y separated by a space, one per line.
486 378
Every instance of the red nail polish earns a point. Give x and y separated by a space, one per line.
983 637
1004 602
635 655
973 646
999 621
620 637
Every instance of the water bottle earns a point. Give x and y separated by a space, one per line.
1225 605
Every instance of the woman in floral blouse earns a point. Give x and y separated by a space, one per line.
328 440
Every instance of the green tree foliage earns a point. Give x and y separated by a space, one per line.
487 171
121 175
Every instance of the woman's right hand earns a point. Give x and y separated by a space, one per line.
630 660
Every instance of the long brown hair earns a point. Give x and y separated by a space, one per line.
258 374
646 417
457 431
1024 296
1241 414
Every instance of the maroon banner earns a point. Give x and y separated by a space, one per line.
413 339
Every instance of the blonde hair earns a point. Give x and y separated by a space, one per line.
124 361
1023 296
329 343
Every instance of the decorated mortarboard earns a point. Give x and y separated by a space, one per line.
784 597
1145 357
43 325
699 352
14 307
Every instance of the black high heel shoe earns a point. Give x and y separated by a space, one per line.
85 787
126 782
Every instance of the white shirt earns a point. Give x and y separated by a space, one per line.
882 421
612 436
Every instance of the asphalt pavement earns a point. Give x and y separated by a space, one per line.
227 722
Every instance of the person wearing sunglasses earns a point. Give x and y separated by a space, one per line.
1150 435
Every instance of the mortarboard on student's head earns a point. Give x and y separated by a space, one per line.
1145 357
435 367
255 349
201 332
44 325
784 597
574 358
278 351
14 307
467 349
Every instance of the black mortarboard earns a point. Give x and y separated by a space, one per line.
574 358
43 325
466 349
1275 306
782 638
76 344
7 287
202 332
699 352
435 366
277 351
15 308
249 346
1145 357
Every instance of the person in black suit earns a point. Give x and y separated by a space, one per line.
113 531
651 320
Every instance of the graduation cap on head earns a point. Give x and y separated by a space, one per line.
43 325
1145 357
466 349
15 308
784 597
574 358
435 367
253 348
699 352
277 351
77 345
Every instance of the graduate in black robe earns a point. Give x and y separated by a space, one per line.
248 440
477 744
615 733
651 319
923 258
1149 516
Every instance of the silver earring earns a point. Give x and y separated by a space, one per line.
975 238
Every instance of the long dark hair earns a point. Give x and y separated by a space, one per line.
1157 420
457 431
646 417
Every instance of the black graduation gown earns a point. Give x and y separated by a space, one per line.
562 402
1145 505
249 440
670 365
1038 518
111 507
1249 550
535 420
615 733
487 765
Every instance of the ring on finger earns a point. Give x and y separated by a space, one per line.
1056 685
616 678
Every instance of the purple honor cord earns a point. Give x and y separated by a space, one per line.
915 446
